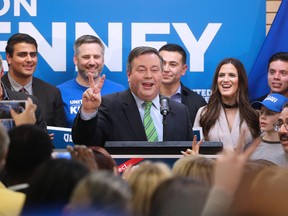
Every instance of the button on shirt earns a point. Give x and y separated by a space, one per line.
177 96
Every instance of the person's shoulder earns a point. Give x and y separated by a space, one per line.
67 83
190 92
42 83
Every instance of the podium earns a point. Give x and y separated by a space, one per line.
166 151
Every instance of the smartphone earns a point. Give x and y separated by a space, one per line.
64 154
7 105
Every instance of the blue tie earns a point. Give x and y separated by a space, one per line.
149 126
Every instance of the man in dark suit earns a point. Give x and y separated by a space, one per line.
120 116
22 58
174 67
6 94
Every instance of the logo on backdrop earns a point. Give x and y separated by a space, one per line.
206 30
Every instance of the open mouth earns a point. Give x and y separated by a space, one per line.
147 85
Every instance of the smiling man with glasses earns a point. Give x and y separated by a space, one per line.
282 127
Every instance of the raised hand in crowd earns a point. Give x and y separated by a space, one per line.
228 172
91 98
84 155
27 116
195 147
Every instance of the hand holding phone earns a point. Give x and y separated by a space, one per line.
27 116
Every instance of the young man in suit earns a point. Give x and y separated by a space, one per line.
22 58
174 67
121 116
6 94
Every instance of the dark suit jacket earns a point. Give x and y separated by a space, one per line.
13 95
192 100
49 101
118 119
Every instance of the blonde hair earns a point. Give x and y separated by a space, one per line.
198 167
143 181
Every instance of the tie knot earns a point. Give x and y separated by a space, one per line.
148 105
23 90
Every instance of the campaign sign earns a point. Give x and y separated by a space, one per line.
209 30
62 136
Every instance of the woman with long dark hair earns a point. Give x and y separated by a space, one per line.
228 112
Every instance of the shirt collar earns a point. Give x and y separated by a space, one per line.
16 86
139 102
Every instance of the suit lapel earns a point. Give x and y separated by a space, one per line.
131 112
171 123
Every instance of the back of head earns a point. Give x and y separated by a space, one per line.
29 147
143 180
179 196
269 192
100 193
51 185
197 167
103 159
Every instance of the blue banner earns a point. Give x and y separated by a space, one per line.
276 41
209 30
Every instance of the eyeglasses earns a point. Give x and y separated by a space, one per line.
277 126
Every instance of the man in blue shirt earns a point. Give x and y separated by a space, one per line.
89 58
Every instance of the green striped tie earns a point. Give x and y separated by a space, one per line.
149 126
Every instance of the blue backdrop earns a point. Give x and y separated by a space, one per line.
209 30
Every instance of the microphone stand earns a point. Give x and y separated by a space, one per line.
164 122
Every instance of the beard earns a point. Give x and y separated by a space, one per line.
84 74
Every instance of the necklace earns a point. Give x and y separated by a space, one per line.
227 106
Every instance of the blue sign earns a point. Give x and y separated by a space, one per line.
209 30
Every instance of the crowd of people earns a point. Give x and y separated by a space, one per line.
247 178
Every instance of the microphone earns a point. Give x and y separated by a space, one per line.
164 106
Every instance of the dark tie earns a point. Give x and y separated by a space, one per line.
149 126
23 90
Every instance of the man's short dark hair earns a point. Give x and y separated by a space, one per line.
282 56
175 48
19 38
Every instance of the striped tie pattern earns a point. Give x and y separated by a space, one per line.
149 126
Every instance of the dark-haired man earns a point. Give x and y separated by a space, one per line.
174 67
134 114
277 74
22 58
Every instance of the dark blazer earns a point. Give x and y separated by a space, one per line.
118 119
192 100
49 101
13 95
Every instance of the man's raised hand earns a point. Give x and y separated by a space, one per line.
91 98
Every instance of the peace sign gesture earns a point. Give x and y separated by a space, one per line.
91 98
